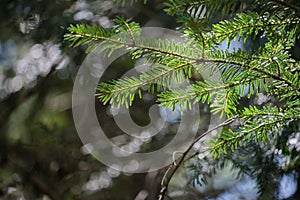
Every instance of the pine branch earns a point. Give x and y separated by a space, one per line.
257 125
254 112
223 97
207 8
225 103
84 35
123 91
248 24
232 140
94 36
256 68
175 6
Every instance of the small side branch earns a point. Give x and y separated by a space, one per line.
201 36
174 167
130 32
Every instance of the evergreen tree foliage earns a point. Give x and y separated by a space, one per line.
270 68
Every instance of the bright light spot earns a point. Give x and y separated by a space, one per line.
105 180
54 54
261 98
54 166
293 141
38 61
113 172
146 136
114 111
245 189
80 5
287 186
11 190
87 149
133 165
16 84
44 66
142 195
169 115
36 51
83 15
203 155
23 27
21 66
64 63
105 22
98 181
121 152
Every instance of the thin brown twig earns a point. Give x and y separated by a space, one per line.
167 177
130 32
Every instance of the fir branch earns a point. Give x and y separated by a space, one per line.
226 95
255 68
246 24
225 103
84 35
196 7
123 91
175 6
78 37
233 140
254 112
199 89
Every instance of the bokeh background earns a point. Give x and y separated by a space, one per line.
41 155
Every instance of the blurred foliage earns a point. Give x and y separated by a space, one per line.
41 156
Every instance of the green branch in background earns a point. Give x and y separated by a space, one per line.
131 2
198 8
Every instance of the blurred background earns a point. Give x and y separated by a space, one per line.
41 155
